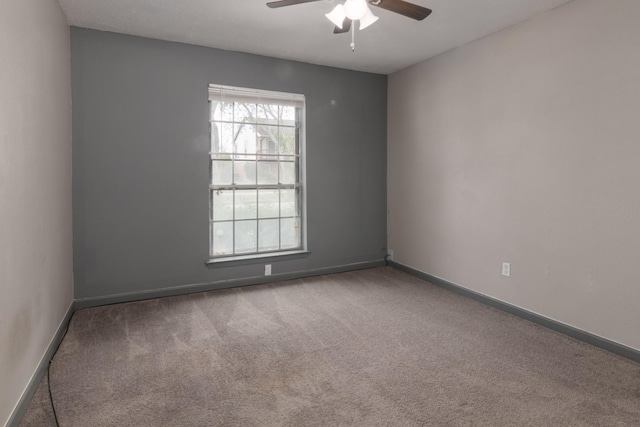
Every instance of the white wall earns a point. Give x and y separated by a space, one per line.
36 286
525 147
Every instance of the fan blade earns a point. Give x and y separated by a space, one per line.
405 8
346 26
282 3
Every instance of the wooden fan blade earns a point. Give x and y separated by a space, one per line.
346 26
405 8
282 3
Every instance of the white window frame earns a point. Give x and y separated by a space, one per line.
230 94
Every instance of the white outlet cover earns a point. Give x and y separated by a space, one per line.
267 270
506 269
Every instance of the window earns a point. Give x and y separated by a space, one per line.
256 173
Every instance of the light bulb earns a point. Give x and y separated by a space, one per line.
355 9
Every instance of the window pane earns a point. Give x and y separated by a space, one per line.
287 115
221 111
267 148
287 170
244 112
222 204
287 140
221 172
245 138
267 139
269 232
289 233
268 131
244 172
268 172
215 136
225 142
246 204
222 237
267 114
246 237
268 204
221 137
288 202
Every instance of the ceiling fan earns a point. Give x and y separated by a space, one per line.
358 10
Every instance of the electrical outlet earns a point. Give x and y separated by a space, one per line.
267 270
506 269
390 254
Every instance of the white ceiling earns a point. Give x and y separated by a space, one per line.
302 32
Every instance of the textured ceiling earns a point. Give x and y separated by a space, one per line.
302 32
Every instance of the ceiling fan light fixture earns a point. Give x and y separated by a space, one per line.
368 19
337 15
356 9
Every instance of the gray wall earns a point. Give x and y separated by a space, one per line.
36 281
140 161
523 147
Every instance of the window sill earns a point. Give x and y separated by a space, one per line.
255 258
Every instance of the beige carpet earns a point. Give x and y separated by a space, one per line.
369 348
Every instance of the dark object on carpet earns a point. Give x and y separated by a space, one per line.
40 412
369 348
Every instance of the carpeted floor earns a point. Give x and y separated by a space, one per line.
368 348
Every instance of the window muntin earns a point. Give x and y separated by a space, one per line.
256 172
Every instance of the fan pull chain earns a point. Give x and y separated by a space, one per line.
353 37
